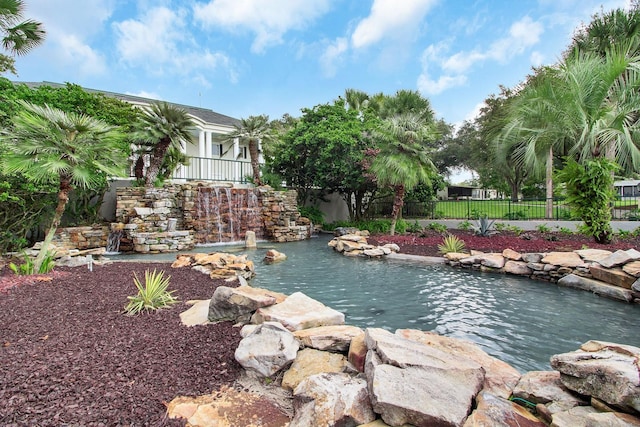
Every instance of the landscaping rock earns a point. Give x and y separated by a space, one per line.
593 255
273 256
236 303
619 258
358 352
563 259
531 257
492 260
606 371
332 400
455 256
410 382
500 377
328 338
197 314
268 349
545 387
310 362
595 286
517 267
512 255
297 312
632 268
495 411
613 276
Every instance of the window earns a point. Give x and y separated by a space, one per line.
244 153
216 150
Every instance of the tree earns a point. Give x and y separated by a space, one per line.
48 145
252 130
18 36
402 161
162 127
325 150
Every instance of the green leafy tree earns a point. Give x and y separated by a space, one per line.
162 127
403 161
18 36
252 130
48 145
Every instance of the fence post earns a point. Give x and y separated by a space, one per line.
468 208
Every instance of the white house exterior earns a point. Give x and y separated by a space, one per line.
209 158
628 188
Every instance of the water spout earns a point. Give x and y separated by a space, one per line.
113 241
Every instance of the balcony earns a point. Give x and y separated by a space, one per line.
204 169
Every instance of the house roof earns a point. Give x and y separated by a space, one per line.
204 114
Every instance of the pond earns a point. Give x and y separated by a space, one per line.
521 321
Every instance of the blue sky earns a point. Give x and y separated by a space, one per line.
249 57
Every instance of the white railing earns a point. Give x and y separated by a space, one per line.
201 168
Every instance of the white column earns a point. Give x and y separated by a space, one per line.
201 144
260 157
236 165
207 155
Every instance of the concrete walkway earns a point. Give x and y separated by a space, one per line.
532 224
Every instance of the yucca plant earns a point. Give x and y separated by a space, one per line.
451 243
153 295
484 226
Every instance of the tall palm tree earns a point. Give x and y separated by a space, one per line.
403 159
18 36
253 130
48 145
356 99
161 127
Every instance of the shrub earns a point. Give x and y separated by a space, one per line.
464 225
440 228
314 214
451 243
517 215
543 228
565 230
153 295
414 228
515 229
28 266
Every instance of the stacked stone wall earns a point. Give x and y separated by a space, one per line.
81 237
282 221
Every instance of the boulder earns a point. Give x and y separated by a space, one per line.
596 286
545 387
298 312
268 349
619 258
586 416
310 362
328 338
392 247
250 239
517 267
197 314
441 386
613 276
492 260
273 256
235 303
606 371
455 256
593 255
563 259
375 252
332 400
227 408
512 255
495 411
358 352
532 257
500 377
632 268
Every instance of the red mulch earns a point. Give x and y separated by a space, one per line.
70 357
426 243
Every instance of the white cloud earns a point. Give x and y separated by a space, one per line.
85 59
523 34
144 94
160 42
268 22
536 58
390 18
333 54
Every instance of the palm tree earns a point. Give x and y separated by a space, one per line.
356 99
18 37
162 127
252 130
48 145
403 160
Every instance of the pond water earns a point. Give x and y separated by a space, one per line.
520 321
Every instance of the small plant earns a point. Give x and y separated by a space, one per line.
565 230
484 227
623 234
517 215
451 243
440 228
501 226
28 266
477 214
543 228
414 228
464 225
438 214
515 229
153 295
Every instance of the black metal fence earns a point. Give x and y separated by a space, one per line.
526 209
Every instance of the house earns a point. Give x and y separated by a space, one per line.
209 159
456 192
627 188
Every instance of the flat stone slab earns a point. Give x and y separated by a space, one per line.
197 314
298 312
311 362
563 259
597 287
613 276
328 338
593 255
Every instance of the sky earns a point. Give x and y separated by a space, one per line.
275 57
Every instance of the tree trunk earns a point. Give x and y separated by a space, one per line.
155 163
63 198
398 201
549 185
138 170
255 164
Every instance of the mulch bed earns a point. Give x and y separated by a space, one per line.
426 243
70 357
